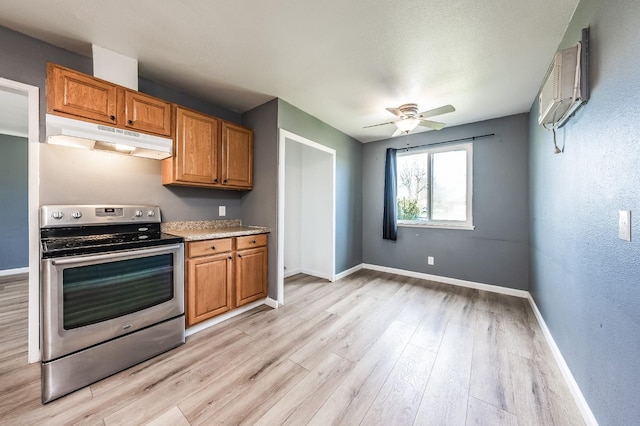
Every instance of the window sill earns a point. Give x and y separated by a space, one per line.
437 226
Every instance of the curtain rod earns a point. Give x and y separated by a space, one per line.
472 138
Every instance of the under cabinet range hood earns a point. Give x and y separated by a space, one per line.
82 134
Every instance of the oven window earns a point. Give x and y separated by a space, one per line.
96 293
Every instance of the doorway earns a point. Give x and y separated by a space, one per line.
9 88
306 209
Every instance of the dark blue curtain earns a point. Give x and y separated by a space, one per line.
389 221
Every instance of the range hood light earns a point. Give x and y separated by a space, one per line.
82 134
71 141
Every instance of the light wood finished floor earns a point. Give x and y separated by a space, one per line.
370 349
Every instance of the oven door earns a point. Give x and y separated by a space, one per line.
90 299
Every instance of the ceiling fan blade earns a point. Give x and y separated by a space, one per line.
437 111
375 125
398 132
396 112
432 124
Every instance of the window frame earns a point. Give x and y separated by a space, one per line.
442 224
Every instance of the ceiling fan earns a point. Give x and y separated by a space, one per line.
410 118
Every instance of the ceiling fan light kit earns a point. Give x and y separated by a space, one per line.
408 124
410 118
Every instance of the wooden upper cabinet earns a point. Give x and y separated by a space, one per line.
74 93
146 113
237 156
197 150
209 153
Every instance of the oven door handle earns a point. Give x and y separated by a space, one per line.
108 256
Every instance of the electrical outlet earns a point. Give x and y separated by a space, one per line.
222 210
430 260
624 225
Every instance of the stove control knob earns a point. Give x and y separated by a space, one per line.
76 215
57 215
138 213
151 213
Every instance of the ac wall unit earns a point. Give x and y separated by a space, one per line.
566 85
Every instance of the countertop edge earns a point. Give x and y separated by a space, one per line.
212 234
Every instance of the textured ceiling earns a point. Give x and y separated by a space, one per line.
341 61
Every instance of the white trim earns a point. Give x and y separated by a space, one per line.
15 134
223 317
317 274
15 271
453 281
33 329
578 397
272 303
436 226
291 272
349 271
283 135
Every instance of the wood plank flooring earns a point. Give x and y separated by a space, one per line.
370 349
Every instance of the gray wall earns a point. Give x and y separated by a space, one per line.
497 251
583 278
260 206
348 179
14 248
70 175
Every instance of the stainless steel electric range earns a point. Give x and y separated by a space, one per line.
112 292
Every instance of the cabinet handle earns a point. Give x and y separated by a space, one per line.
213 247
112 117
216 180
224 181
253 241
231 258
130 121
239 255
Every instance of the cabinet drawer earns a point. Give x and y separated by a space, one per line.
208 247
251 241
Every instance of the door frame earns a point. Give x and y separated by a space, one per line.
33 147
283 135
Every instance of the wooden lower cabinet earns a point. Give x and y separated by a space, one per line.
251 275
223 274
209 282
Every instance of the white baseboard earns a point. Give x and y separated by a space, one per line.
16 271
349 271
223 317
289 273
578 397
272 303
453 281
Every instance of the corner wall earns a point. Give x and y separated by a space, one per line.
348 179
584 279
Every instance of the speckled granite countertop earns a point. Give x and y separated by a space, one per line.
210 229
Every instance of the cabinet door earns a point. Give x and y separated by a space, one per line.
208 287
146 113
251 275
81 95
237 156
197 147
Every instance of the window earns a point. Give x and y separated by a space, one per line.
435 187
